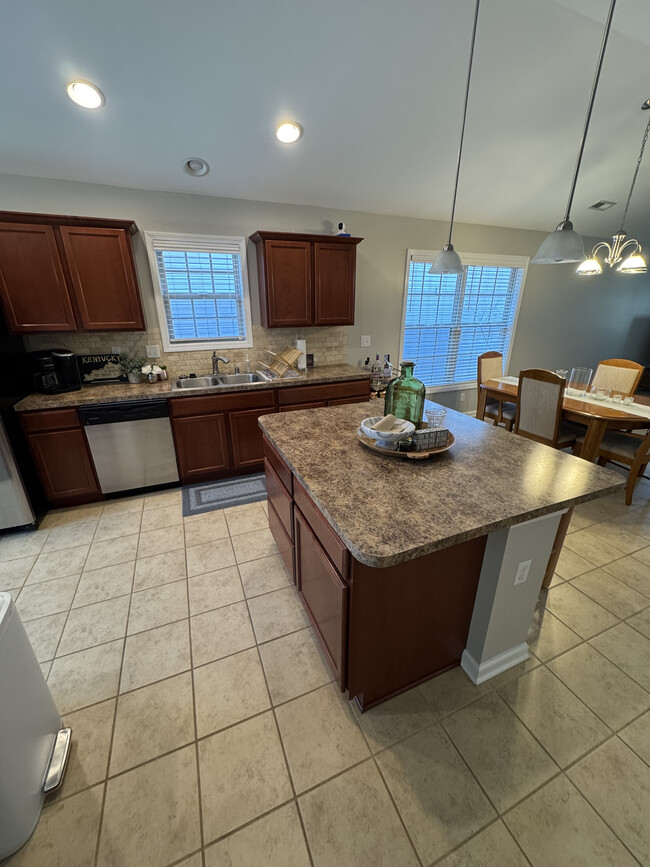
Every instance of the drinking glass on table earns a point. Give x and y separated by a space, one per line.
579 381
562 373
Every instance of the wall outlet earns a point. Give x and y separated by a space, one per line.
152 351
116 350
462 397
365 340
522 571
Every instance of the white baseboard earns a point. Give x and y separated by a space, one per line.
478 673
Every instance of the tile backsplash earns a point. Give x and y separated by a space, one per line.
328 345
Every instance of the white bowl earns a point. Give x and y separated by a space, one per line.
386 436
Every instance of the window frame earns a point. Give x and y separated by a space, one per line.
200 244
489 260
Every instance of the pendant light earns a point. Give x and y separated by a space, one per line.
633 263
448 260
564 244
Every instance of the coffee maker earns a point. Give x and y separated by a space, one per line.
55 371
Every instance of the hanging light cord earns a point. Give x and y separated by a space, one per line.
462 129
594 87
636 172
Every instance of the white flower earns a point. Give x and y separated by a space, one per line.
155 369
146 368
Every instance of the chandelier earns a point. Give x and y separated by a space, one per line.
633 263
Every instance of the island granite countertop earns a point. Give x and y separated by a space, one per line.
123 391
388 510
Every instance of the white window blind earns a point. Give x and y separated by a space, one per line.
202 291
449 320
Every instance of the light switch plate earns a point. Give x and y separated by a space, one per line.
365 340
152 351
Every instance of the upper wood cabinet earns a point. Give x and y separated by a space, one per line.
305 280
68 274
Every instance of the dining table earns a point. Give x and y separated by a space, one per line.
597 416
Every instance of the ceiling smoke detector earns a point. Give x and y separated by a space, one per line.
602 205
197 167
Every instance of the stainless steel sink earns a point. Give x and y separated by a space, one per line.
198 382
238 378
219 381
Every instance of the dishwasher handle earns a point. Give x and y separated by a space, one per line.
113 413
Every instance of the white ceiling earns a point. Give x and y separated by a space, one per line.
377 85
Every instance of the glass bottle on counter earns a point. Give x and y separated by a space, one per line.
405 395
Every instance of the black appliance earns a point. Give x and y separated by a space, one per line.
18 474
55 371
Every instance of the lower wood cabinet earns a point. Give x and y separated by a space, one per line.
201 446
324 594
62 457
246 437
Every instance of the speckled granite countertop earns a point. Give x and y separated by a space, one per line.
388 510
115 392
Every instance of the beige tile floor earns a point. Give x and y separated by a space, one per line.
208 732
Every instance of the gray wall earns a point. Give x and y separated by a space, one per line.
564 320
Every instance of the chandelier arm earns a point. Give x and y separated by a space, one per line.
592 97
462 129
636 172
637 246
600 246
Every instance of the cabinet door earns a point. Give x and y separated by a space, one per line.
32 282
103 278
201 446
334 273
285 283
294 406
324 594
246 437
65 466
343 401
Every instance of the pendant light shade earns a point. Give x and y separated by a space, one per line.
447 262
564 244
634 264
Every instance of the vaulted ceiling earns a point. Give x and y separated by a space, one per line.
377 85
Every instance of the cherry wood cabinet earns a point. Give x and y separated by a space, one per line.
305 280
201 446
58 445
68 274
246 437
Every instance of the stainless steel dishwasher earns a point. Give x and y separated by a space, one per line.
131 444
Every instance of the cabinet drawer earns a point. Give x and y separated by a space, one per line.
295 407
325 596
284 473
52 419
326 391
328 538
278 496
206 403
284 543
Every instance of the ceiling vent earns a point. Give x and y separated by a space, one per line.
602 205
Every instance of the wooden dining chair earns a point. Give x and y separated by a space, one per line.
539 409
625 448
619 375
490 366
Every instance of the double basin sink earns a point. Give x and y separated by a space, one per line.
219 379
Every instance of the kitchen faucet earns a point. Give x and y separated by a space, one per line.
215 362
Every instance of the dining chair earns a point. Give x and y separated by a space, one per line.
539 409
619 375
625 448
490 366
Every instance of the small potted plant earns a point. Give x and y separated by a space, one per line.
162 376
131 365
151 371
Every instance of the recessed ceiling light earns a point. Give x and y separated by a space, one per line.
86 94
289 132
197 167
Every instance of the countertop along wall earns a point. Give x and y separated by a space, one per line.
564 320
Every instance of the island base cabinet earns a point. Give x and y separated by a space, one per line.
324 595
410 622
283 541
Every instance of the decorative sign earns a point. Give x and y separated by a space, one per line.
96 369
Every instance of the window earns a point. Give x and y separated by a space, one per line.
449 319
201 291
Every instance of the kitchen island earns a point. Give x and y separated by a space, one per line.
407 568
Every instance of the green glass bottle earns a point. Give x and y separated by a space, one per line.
405 395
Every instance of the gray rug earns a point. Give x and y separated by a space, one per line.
209 496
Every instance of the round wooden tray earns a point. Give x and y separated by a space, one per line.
414 456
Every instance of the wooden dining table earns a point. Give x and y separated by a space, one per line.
597 419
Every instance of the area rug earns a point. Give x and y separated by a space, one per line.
209 496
